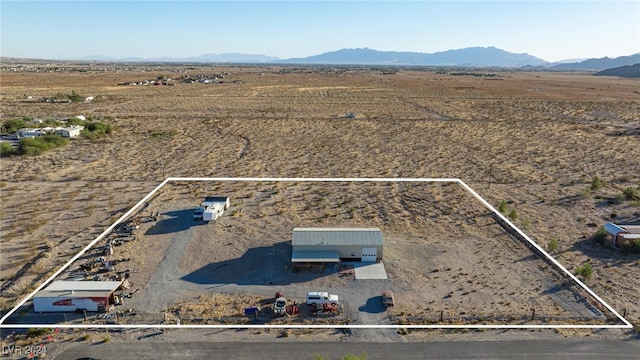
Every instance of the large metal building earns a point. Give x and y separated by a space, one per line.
331 245
62 296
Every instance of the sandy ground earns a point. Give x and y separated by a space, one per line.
533 139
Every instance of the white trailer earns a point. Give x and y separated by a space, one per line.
66 296
214 207
210 200
213 212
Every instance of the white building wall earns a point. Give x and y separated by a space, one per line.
46 304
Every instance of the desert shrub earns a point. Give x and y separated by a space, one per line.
526 224
502 207
95 130
600 236
631 193
75 97
40 144
7 150
597 184
631 246
513 214
552 245
36 332
586 192
52 122
75 121
99 127
585 271
11 126
161 133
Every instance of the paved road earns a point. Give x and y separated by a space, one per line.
521 349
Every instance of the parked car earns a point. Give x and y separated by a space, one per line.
387 298
197 215
280 306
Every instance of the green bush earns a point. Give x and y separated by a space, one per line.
631 193
11 126
597 184
94 130
40 144
600 236
75 121
75 97
502 207
631 246
585 271
513 214
552 245
7 150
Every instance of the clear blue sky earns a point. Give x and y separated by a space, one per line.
551 30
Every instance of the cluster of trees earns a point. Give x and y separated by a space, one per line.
11 126
40 144
34 146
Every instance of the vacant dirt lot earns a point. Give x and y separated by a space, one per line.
533 139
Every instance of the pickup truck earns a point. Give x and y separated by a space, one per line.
197 215
316 297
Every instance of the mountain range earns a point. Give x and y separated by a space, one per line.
627 71
471 57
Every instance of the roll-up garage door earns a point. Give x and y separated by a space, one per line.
369 254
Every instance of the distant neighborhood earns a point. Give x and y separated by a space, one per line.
183 79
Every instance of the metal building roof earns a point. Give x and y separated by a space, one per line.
64 288
315 256
613 229
633 229
337 236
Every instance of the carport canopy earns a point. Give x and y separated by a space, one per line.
314 256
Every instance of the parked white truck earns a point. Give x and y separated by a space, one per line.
321 297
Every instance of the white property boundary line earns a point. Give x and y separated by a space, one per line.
626 325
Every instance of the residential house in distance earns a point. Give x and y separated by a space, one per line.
69 131
29 132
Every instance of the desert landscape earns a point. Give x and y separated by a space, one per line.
533 140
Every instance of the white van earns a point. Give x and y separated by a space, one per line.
317 297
